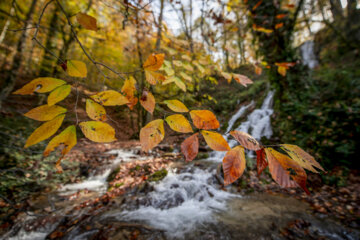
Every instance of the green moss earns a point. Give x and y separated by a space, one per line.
158 175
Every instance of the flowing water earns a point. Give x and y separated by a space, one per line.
308 55
189 203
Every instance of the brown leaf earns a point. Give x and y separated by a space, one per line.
282 168
261 162
190 147
88 22
243 80
233 164
246 140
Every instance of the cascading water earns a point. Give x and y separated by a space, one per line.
182 201
307 54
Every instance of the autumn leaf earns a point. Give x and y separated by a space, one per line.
285 171
227 76
233 164
98 131
95 111
261 162
154 62
45 131
58 94
281 70
185 76
246 140
152 134
40 85
190 147
86 21
186 57
304 159
258 70
256 5
154 77
110 98
177 63
147 100
180 84
45 112
176 106
67 138
179 123
129 90
215 141
76 68
279 25
204 119
188 67
243 80
280 16
261 29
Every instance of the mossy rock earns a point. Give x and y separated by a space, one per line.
113 174
158 175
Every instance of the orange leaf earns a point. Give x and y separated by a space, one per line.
190 147
257 5
279 25
129 90
88 22
282 167
215 141
154 77
282 71
261 162
204 119
233 164
258 70
280 16
147 100
179 123
243 80
154 62
246 140
152 134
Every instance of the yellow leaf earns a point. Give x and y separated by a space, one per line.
76 68
304 159
66 138
177 63
180 84
129 90
186 57
179 123
45 131
98 131
185 76
147 100
169 80
282 70
152 134
204 119
40 85
215 141
58 94
88 22
154 77
188 67
95 111
110 98
154 62
45 112
233 164
176 106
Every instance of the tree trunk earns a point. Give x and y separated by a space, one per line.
160 19
9 82
46 67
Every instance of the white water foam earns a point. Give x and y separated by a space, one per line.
179 202
98 182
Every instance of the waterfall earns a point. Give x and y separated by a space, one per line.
307 54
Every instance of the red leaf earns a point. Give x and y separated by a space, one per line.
190 147
261 161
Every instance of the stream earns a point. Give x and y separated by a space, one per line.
189 203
